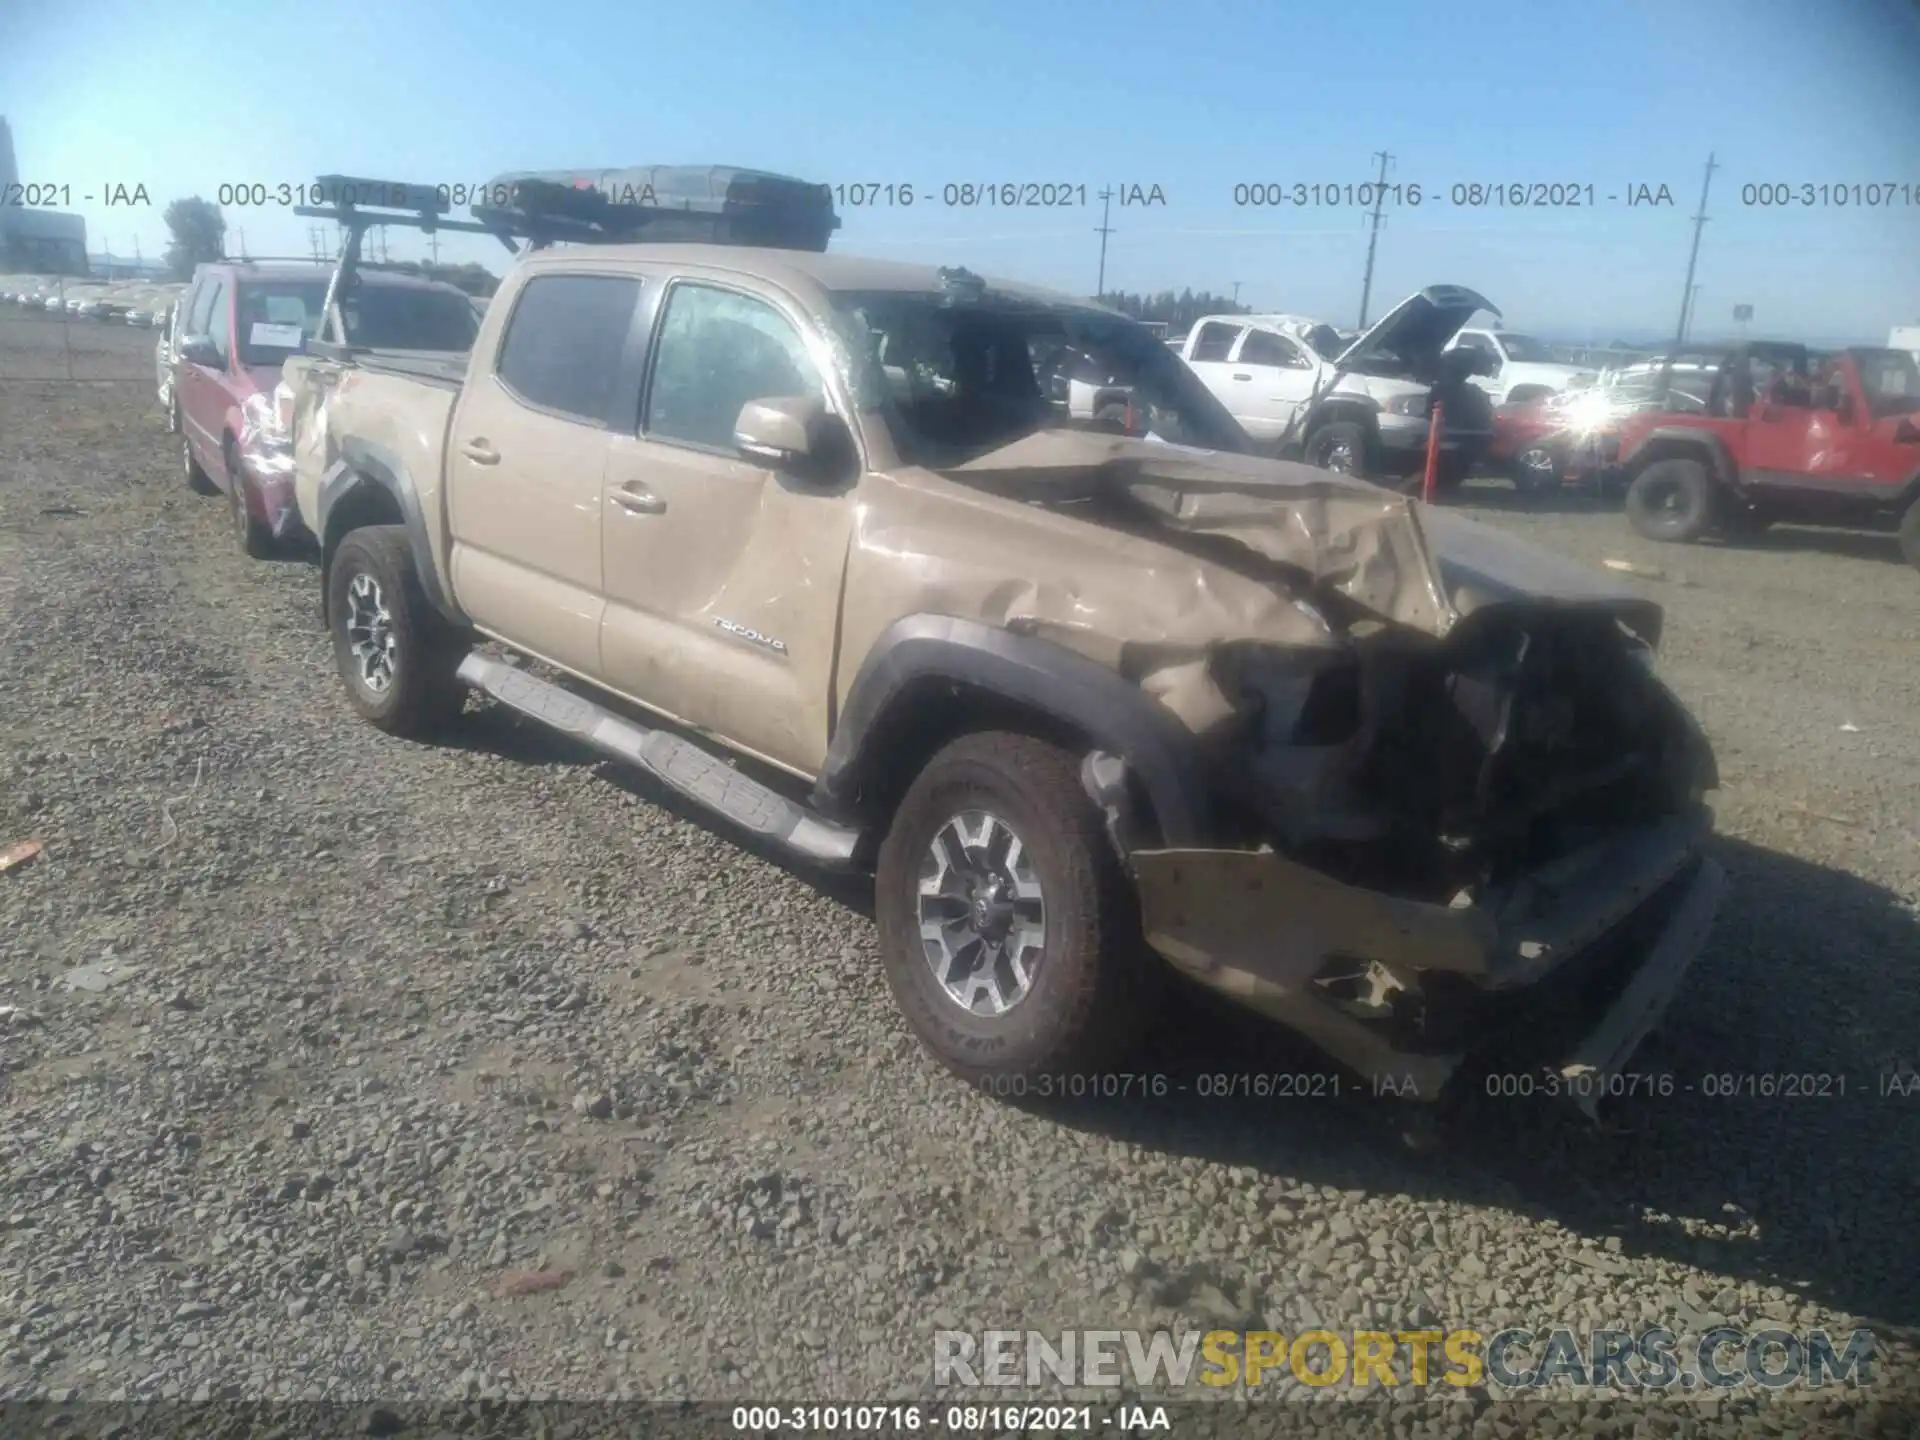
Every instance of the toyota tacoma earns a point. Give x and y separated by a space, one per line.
805 539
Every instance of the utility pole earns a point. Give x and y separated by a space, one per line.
1693 256
1692 309
433 245
243 241
1103 230
1373 236
1236 294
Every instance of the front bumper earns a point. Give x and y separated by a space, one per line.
1579 959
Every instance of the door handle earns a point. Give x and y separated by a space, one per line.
1239 376
636 499
480 452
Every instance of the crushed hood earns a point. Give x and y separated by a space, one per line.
1417 329
1387 554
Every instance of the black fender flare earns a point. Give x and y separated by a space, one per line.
364 463
1719 458
1060 683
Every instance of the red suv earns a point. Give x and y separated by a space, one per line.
238 323
1783 437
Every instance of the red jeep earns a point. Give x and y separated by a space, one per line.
1783 438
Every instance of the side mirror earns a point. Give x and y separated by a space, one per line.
198 350
1906 432
793 433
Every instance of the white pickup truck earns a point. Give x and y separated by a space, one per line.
1518 367
1362 407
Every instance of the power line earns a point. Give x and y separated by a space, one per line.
1103 230
1693 256
1373 235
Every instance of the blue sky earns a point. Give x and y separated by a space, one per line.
1194 98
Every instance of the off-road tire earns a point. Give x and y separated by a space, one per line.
423 695
1322 443
1094 987
198 480
1688 484
255 539
1910 533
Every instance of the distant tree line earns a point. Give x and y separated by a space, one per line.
1178 310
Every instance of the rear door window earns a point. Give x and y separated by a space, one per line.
564 341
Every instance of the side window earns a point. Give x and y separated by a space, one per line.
1262 347
564 340
1481 343
218 321
718 350
1215 341
202 301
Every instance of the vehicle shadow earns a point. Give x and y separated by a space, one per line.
1487 493
1852 544
1814 1192
494 729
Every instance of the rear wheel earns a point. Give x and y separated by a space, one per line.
1671 500
1010 937
394 651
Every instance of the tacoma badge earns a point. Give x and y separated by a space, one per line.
777 646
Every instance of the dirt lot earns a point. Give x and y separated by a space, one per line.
385 1023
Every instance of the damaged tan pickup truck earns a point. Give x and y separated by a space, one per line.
1091 702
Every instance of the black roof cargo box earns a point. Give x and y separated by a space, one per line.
714 204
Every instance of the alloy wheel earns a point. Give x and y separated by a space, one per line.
370 637
983 913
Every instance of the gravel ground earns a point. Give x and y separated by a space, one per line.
383 1030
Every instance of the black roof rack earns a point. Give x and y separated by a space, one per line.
712 204
708 204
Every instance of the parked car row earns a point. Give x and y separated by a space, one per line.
133 302
980 587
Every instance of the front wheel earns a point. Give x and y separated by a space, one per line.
1341 447
1010 937
1910 534
395 652
255 539
1671 500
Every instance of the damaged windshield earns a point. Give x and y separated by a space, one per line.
958 378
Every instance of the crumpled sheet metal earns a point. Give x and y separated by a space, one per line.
1257 914
1340 535
271 475
923 545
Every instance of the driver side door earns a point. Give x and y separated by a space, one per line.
1272 379
722 576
